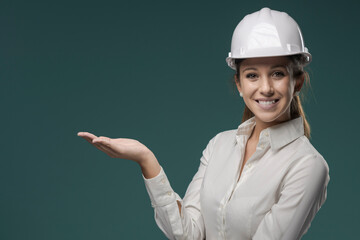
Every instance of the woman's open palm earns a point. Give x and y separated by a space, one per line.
125 148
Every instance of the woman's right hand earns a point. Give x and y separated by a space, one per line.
124 148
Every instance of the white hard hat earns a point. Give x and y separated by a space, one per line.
266 33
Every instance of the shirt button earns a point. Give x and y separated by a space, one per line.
163 180
261 145
266 134
169 193
249 165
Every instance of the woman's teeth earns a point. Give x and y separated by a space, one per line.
267 102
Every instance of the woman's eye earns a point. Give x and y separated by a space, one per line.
279 74
250 75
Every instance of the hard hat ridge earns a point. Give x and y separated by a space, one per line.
267 33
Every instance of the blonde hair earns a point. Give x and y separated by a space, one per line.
296 69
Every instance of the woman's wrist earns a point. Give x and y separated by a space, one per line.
149 165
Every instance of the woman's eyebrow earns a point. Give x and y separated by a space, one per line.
252 68
278 66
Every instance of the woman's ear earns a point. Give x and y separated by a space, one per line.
237 81
299 82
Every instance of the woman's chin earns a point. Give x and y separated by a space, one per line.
269 118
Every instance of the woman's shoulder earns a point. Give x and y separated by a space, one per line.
223 141
308 153
308 148
225 136
231 133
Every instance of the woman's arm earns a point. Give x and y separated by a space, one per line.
177 218
303 193
150 167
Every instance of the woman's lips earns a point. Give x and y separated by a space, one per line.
266 105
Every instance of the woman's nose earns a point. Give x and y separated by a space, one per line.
266 86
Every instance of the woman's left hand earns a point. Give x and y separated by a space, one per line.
124 148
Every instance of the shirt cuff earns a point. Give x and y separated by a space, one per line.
159 190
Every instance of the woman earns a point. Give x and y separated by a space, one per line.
263 180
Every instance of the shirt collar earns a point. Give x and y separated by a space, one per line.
279 135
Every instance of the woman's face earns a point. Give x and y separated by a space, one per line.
267 88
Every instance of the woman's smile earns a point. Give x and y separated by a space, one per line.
267 104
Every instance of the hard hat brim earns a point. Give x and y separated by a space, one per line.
231 60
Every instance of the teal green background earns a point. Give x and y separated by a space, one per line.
154 71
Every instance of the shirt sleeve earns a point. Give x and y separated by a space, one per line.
190 224
303 193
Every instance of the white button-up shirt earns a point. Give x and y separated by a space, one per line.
281 188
